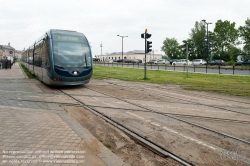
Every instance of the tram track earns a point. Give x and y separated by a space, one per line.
142 140
183 92
181 115
171 115
183 101
179 119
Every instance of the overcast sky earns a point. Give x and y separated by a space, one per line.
24 21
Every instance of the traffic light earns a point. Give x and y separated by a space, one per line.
149 46
142 35
148 35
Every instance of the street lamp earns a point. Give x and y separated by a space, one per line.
122 46
154 54
207 42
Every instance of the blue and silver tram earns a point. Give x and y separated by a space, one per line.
60 57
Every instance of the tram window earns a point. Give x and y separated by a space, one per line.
72 54
46 53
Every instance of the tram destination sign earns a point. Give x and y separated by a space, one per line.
67 38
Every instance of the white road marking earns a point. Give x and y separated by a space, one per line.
173 131
155 124
191 139
137 116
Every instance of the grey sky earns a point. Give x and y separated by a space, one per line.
23 21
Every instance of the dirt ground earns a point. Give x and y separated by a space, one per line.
163 98
118 142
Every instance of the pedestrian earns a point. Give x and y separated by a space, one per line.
6 63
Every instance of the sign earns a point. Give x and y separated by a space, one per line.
68 38
11 52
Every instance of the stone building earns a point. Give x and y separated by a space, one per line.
9 51
136 54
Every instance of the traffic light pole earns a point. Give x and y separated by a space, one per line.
148 46
145 64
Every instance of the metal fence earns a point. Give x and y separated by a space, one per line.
232 70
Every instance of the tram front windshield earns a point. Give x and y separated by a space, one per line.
71 50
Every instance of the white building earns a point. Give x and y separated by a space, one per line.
136 54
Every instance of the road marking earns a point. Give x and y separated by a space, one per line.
173 131
137 116
191 139
155 124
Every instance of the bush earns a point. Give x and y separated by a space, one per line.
230 63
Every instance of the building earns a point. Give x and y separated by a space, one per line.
9 51
136 54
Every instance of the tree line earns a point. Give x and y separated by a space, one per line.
224 42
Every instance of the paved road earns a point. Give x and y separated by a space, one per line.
35 130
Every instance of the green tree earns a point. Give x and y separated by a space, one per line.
171 48
225 34
245 35
198 35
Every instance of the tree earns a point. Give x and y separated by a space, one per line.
198 35
245 35
226 35
171 47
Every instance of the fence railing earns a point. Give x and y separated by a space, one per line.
216 69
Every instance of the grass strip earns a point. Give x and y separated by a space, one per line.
26 71
226 84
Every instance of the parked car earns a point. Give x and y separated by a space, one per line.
198 62
139 60
119 60
246 62
151 61
238 63
96 59
109 60
181 62
162 61
217 62
135 61
128 60
172 60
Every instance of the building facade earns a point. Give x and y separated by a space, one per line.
9 51
136 54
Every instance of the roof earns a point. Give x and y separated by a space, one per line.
8 47
129 52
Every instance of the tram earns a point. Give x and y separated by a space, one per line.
60 57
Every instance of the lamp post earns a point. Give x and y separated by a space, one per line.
154 54
101 47
207 42
122 46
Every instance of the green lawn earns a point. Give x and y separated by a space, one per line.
234 85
